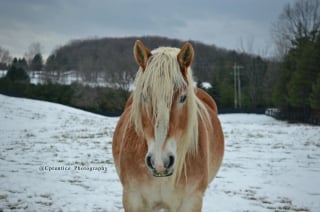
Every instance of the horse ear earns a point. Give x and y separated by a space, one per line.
141 54
185 57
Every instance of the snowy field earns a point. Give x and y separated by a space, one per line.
268 166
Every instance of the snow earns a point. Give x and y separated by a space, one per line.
3 73
206 85
72 76
67 78
269 165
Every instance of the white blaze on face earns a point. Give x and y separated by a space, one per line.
161 131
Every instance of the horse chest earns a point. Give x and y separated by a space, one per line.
160 193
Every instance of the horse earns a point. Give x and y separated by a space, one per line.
168 144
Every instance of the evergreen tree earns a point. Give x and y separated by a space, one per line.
214 91
3 66
298 72
20 63
300 85
23 64
36 63
51 64
17 75
226 97
315 95
14 62
280 93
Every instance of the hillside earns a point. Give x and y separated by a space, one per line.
112 59
268 166
115 55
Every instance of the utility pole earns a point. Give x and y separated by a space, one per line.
237 85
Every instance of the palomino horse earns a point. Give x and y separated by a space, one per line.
168 144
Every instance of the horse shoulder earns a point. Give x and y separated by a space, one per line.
120 130
117 138
207 99
128 146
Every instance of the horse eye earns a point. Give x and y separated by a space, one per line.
183 98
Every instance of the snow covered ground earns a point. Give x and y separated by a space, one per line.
268 166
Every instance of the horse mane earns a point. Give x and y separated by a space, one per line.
154 90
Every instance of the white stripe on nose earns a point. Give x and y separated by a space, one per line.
161 131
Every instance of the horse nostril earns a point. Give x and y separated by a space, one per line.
149 162
170 163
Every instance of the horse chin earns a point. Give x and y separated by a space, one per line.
167 173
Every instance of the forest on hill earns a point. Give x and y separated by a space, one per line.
112 59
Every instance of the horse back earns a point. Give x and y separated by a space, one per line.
207 99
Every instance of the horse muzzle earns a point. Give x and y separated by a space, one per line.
160 171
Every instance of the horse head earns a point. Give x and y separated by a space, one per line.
162 101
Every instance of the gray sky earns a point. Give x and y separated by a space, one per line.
53 23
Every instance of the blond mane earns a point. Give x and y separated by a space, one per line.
154 90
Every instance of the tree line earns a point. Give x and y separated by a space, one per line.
112 59
35 64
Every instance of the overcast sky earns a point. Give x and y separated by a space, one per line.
53 23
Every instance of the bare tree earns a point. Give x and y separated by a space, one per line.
33 49
254 70
4 56
247 45
300 20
